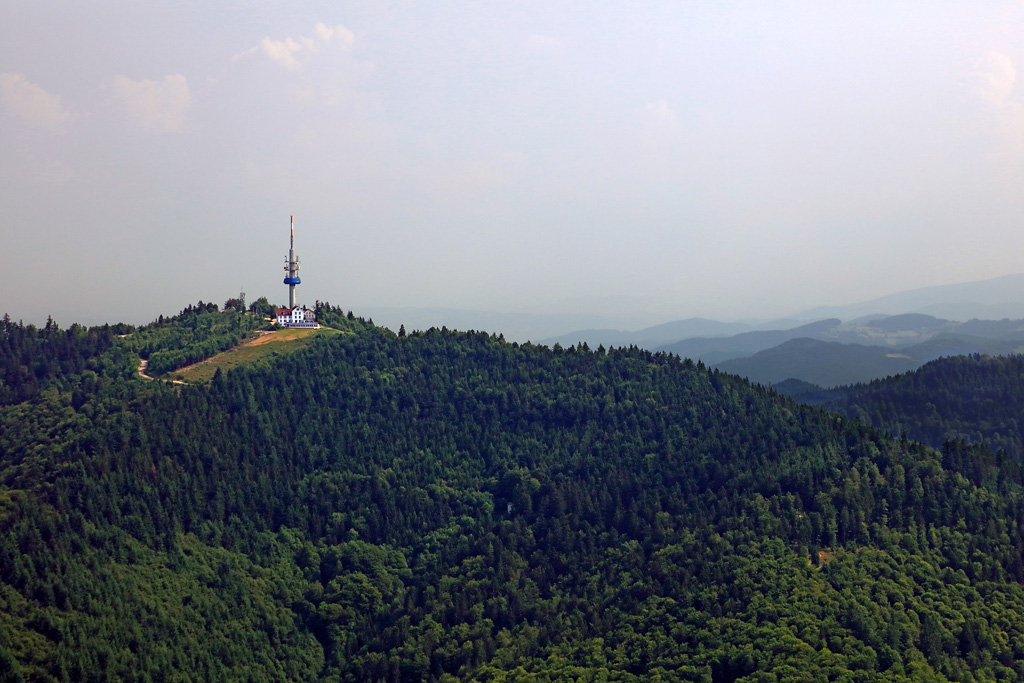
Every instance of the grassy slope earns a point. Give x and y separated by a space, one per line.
262 348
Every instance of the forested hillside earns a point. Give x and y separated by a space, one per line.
448 506
977 399
32 359
196 333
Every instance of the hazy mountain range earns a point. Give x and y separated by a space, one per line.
653 337
989 299
844 344
994 299
830 364
829 353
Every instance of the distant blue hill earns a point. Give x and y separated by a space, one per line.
712 351
830 364
825 364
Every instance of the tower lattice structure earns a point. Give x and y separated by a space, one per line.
291 266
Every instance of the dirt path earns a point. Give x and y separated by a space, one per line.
142 373
262 337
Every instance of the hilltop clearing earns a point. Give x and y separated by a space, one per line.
268 345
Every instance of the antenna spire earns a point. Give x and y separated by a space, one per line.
291 267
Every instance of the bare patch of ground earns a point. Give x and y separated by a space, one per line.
142 373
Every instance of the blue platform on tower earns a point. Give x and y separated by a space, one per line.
293 281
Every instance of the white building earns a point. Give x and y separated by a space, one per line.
296 317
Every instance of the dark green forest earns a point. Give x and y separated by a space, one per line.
975 399
446 506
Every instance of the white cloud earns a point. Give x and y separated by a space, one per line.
155 106
33 105
245 53
288 52
328 33
996 80
996 76
282 51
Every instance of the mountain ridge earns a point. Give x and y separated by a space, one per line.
831 363
449 506
1001 297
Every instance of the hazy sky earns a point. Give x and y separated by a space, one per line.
658 160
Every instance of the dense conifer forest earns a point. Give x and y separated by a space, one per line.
975 399
448 506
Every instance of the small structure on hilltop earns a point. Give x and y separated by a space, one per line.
294 315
